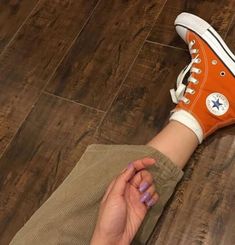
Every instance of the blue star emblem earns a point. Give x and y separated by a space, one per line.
216 104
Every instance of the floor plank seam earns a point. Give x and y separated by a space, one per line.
71 45
50 119
42 90
128 71
166 45
15 134
71 101
229 26
20 27
59 98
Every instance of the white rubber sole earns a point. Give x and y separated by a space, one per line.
210 36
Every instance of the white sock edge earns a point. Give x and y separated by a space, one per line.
189 121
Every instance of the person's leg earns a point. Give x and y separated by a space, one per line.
69 215
206 104
177 142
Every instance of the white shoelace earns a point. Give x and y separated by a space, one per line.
178 94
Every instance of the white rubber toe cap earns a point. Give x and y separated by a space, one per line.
182 32
188 22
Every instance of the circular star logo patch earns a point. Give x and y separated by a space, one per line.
217 104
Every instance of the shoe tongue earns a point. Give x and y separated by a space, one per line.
185 80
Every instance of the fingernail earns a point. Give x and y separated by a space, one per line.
150 203
145 197
130 165
143 187
124 170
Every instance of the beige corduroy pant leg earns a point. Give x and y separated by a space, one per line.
69 215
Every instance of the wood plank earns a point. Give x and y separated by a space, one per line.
42 154
144 102
30 60
202 209
98 62
12 15
230 38
217 13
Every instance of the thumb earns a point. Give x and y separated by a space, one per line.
122 180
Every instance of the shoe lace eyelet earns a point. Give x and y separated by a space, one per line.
199 60
222 73
193 92
214 62
199 71
187 102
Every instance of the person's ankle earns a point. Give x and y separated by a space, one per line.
177 142
189 121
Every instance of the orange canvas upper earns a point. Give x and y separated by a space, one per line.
211 80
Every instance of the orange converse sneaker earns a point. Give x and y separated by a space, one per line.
207 102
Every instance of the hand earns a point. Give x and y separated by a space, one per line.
125 205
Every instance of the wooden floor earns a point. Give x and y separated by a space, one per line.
76 72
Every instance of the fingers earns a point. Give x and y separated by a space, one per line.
143 163
153 200
142 180
122 180
149 197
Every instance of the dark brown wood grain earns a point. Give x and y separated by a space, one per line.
202 209
230 37
12 15
33 55
83 51
143 104
99 60
218 13
42 154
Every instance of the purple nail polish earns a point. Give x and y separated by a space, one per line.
150 203
143 187
145 197
130 165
